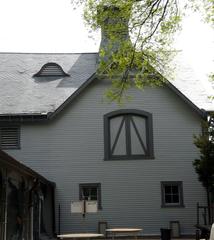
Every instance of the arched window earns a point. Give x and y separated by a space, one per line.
128 135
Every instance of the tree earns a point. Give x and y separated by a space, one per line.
151 25
204 166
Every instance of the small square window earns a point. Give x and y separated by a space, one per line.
172 194
9 137
90 191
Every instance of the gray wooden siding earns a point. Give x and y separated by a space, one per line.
69 150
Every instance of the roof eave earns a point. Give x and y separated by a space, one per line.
8 160
29 117
201 112
50 115
72 97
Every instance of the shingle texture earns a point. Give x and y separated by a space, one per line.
21 93
196 87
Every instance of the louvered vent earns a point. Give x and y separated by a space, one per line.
9 137
51 70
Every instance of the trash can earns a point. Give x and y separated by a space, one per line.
165 234
175 229
102 226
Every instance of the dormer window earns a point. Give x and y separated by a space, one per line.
51 70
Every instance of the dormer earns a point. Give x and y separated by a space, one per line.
51 69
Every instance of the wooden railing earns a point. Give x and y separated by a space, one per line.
206 215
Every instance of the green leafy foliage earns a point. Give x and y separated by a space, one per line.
206 7
204 166
205 143
151 24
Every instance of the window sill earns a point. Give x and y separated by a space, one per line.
121 158
172 206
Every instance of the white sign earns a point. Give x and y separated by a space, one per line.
91 206
84 207
77 207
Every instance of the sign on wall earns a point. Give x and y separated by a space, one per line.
77 207
91 206
84 207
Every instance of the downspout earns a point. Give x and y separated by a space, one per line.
31 217
35 183
53 209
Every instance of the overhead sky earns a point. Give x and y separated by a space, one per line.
43 26
53 26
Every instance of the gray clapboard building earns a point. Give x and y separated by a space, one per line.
134 159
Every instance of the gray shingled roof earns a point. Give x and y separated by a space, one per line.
197 88
21 93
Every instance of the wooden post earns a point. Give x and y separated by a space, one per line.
59 216
84 208
205 216
197 213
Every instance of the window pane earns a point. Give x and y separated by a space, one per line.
114 127
85 192
136 139
168 199
175 198
94 191
118 137
168 190
175 189
140 123
93 197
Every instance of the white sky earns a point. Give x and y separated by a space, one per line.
53 26
43 26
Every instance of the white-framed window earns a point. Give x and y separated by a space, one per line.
90 192
172 194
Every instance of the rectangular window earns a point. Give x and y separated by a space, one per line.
90 191
9 137
172 194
